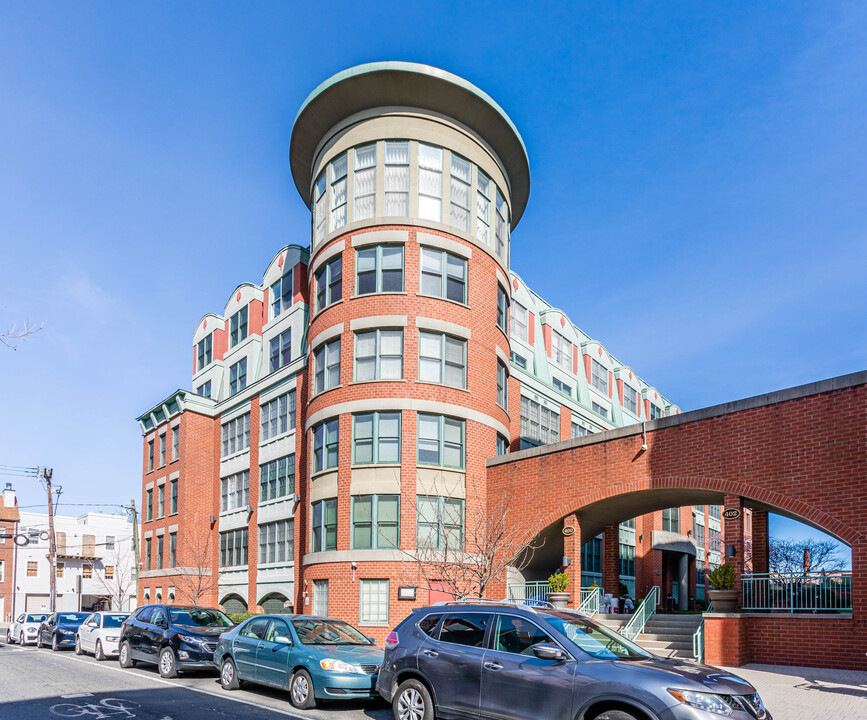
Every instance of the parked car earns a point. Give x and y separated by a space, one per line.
462 660
99 634
58 629
172 637
311 657
25 628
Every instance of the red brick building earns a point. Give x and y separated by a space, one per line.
8 527
344 407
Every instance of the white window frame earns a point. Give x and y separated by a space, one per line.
280 349
428 361
430 204
442 422
377 357
277 416
598 376
239 327
362 171
338 171
378 269
561 351
378 441
396 183
235 435
460 183
630 399
484 203
373 602
280 300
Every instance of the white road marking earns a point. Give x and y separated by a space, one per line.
75 695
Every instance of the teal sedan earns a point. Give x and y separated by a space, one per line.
313 658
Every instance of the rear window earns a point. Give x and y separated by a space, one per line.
465 629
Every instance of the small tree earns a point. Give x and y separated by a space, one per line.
722 577
121 580
195 578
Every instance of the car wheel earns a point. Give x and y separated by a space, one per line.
9 640
123 656
167 664
78 649
616 715
98 653
412 701
301 690
229 675
54 646
39 644
21 640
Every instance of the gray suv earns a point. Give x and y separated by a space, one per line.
514 662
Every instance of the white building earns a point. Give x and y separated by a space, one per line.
95 563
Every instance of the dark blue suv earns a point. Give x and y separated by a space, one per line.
500 660
172 637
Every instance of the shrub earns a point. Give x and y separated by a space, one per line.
558 582
722 578
240 617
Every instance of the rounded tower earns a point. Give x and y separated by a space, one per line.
414 178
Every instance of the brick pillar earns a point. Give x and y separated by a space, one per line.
733 535
611 560
859 598
761 552
572 550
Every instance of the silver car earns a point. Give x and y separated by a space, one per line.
25 628
99 634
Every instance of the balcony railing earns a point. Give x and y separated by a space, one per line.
797 592
528 591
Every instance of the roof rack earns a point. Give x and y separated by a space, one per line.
505 601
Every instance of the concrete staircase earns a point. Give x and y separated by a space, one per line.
665 635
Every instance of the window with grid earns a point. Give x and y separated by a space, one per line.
520 322
519 360
502 310
204 351
460 193
698 532
364 183
162 449
109 572
326 366
32 568
579 430
502 386
591 556
630 399
281 350
599 409
655 412
714 540
238 327
325 441
430 182
373 602
598 376
320 598
484 194
176 436
281 295
375 522
277 478
627 560
379 269
502 445
87 568
440 522
173 549
329 280
337 170
324 536
238 376
233 548
204 390
501 231
443 275
376 438
440 441
379 355
161 501
538 422
562 387
277 542
236 435
149 502
442 359
671 520
396 180
561 351
318 209
714 511
235 491
278 416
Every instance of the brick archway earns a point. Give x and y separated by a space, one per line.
800 452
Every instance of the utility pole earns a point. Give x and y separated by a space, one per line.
52 546
135 560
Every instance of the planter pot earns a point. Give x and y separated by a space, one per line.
724 601
559 600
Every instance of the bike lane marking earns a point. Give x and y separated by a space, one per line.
162 681
76 695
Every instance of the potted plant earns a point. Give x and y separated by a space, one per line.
557 595
723 596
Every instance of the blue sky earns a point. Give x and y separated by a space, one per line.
698 177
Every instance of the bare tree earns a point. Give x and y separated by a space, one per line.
16 335
117 576
787 556
464 546
195 579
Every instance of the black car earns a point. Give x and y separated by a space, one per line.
58 629
172 637
463 660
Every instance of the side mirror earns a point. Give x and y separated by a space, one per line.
282 640
549 651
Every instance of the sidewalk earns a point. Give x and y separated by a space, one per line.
802 693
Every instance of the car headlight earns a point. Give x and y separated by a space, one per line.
704 701
66 632
756 703
339 666
191 639
111 638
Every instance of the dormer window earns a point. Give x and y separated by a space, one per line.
238 327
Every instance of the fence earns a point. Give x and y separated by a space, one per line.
797 592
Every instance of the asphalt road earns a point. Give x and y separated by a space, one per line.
45 685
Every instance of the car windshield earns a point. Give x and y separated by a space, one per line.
200 617
328 632
71 617
113 621
36 617
596 640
